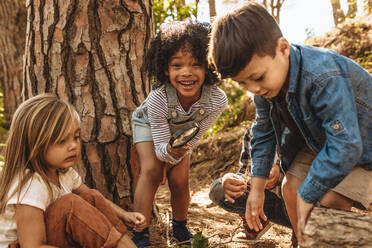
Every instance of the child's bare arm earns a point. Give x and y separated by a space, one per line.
133 219
30 227
255 202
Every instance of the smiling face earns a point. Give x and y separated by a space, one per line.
187 75
64 153
265 76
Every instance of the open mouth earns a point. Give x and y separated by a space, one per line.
187 83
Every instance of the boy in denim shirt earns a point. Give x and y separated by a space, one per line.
312 103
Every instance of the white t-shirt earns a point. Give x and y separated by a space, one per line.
34 193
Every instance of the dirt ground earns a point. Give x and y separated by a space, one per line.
216 224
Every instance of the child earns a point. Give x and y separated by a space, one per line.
185 93
315 104
231 191
43 201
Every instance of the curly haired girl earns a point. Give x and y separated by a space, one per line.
184 93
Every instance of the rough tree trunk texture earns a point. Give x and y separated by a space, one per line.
12 47
338 13
90 52
212 9
336 228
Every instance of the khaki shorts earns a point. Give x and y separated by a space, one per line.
357 185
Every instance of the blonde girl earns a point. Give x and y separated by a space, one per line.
43 202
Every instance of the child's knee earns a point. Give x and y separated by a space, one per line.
154 176
92 196
179 184
62 206
335 200
216 193
290 185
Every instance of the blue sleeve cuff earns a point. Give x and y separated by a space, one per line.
311 190
261 168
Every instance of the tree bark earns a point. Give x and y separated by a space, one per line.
337 228
12 47
91 54
212 9
352 8
338 13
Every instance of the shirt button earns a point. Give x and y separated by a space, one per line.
336 126
201 111
174 114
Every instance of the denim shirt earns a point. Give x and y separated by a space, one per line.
330 99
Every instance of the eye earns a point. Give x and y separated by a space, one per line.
175 65
77 137
61 142
197 64
259 79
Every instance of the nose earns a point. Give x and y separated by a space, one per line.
186 71
254 88
73 145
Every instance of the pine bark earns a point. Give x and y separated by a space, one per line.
212 9
90 52
338 13
12 47
337 228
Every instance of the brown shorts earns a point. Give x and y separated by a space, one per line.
357 185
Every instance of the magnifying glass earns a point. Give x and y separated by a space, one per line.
182 136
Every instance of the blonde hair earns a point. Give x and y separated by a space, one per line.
37 123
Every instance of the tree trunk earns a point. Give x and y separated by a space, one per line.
12 46
352 8
367 6
337 228
91 54
338 13
212 9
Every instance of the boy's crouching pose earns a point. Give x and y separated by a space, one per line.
315 104
230 192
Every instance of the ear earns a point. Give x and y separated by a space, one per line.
166 73
283 47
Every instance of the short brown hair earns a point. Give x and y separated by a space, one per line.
239 34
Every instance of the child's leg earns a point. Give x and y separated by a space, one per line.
356 186
149 179
290 185
73 222
274 206
95 198
178 181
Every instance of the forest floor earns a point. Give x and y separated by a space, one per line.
216 224
212 158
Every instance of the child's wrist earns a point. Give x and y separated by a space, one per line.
258 184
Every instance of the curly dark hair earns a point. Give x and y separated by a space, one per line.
173 36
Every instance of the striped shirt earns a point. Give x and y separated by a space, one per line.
157 107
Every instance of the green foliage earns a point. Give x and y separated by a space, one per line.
199 241
240 108
172 10
366 61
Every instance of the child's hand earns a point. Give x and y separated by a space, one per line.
303 212
274 177
178 152
233 186
254 206
135 220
